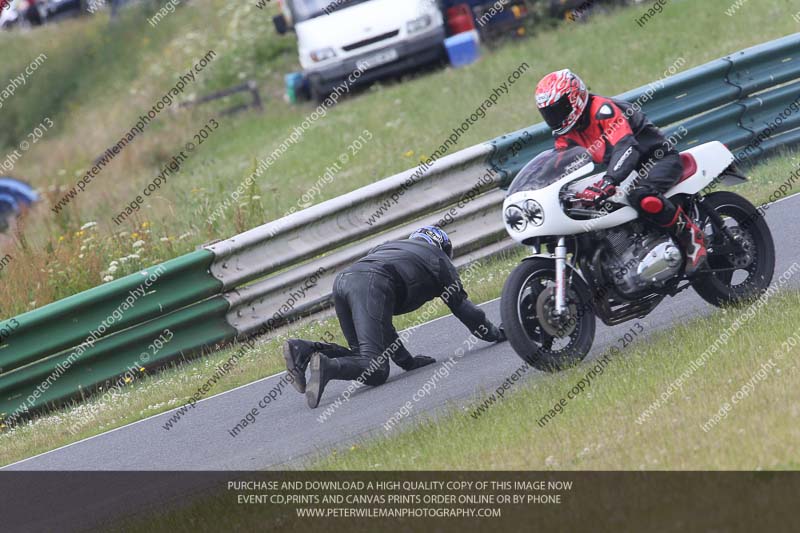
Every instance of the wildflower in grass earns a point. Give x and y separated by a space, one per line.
108 278
138 244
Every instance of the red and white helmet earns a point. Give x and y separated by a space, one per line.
561 98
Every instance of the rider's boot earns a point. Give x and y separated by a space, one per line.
324 369
297 353
691 239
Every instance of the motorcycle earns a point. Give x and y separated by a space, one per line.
606 262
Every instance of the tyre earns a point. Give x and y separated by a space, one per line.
746 264
33 17
317 89
542 340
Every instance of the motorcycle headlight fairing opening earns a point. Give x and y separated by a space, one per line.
515 218
533 212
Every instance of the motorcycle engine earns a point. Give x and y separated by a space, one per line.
638 260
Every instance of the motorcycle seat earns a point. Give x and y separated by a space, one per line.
689 166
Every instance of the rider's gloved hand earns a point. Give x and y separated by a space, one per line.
419 361
598 193
501 334
491 333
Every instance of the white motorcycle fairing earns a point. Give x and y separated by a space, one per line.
546 215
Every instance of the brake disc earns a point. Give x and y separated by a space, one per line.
743 257
553 324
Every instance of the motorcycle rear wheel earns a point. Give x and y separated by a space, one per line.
754 257
546 343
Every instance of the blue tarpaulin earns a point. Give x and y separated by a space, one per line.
14 194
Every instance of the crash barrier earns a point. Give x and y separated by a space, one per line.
247 87
283 270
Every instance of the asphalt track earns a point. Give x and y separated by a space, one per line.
286 433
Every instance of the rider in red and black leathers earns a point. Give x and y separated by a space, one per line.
618 135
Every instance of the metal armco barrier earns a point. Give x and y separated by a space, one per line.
284 269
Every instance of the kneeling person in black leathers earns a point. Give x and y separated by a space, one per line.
393 279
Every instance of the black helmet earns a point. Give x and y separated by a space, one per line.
435 236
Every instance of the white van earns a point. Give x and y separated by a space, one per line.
378 37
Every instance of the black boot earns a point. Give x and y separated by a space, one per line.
324 369
418 361
691 239
297 354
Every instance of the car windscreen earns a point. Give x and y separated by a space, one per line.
308 9
549 167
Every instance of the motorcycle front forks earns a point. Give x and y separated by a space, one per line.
560 307
561 277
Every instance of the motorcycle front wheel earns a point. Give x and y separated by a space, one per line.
540 337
